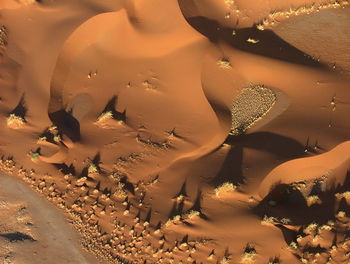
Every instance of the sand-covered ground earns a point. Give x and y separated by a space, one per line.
32 231
176 131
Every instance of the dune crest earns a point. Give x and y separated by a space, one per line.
200 132
331 167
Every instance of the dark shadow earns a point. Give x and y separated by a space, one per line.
281 146
231 169
106 191
182 191
347 234
287 200
185 239
150 142
346 185
173 133
128 185
38 150
7 158
188 224
197 205
49 137
274 260
138 215
17 236
315 250
181 206
174 211
20 110
316 189
111 106
98 186
290 204
288 234
66 124
149 216
97 159
64 168
159 225
248 249
269 45
121 116
343 206
84 172
313 149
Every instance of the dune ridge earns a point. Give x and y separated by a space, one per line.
181 131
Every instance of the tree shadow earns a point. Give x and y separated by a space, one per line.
64 168
66 124
111 107
128 185
181 206
17 236
197 205
175 210
182 191
97 159
84 172
184 239
20 110
149 216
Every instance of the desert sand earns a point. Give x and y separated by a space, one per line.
32 231
164 131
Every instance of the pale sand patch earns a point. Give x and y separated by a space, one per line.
250 105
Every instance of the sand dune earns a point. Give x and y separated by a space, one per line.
330 167
181 131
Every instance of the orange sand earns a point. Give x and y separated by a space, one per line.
183 131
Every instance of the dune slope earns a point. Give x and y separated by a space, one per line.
181 131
